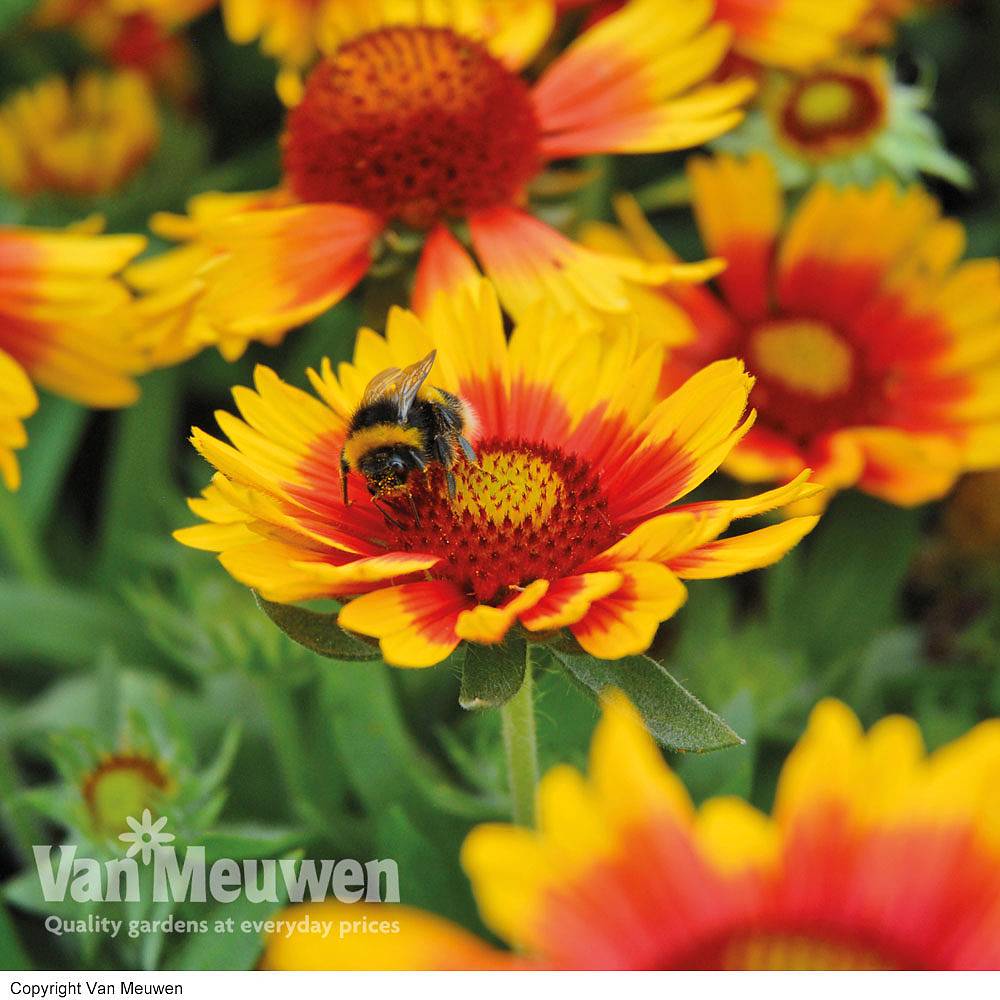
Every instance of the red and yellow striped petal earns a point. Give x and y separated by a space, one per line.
739 207
64 315
625 622
630 83
280 268
876 856
415 623
793 34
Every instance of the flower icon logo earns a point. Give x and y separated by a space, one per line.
146 836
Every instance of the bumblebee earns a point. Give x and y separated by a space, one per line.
402 426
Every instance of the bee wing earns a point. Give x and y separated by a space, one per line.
410 382
381 385
399 385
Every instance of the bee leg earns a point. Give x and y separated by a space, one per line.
467 448
450 476
344 472
413 507
380 507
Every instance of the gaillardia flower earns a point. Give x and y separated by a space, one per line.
876 352
848 121
122 785
65 325
139 35
876 856
795 34
567 519
82 139
412 123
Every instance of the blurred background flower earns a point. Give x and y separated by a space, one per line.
623 873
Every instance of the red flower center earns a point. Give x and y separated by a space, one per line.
413 123
523 512
810 379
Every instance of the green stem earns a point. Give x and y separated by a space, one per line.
520 742
20 544
672 192
286 735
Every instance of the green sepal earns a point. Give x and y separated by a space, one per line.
316 631
671 713
491 675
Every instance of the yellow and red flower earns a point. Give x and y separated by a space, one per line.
82 139
831 112
876 351
412 123
568 519
794 34
847 120
139 35
65 324
876 856
120 785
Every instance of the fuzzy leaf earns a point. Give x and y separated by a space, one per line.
316 631
671 713
492 675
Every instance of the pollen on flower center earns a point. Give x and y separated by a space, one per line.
523 512
413 123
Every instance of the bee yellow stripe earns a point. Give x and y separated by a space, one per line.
361 442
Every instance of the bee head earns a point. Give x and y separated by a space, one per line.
387 469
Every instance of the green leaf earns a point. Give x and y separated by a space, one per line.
834 596
671 713
491 675
437 889
13 957
139 491
729 772
64 627
11 11
316 631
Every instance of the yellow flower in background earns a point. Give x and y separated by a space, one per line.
847 120
794 34
875 348
875 856
568 518
418 118
86 138
121 785
831 112
144 36
65 325
297 32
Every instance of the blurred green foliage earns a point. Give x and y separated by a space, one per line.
102 613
